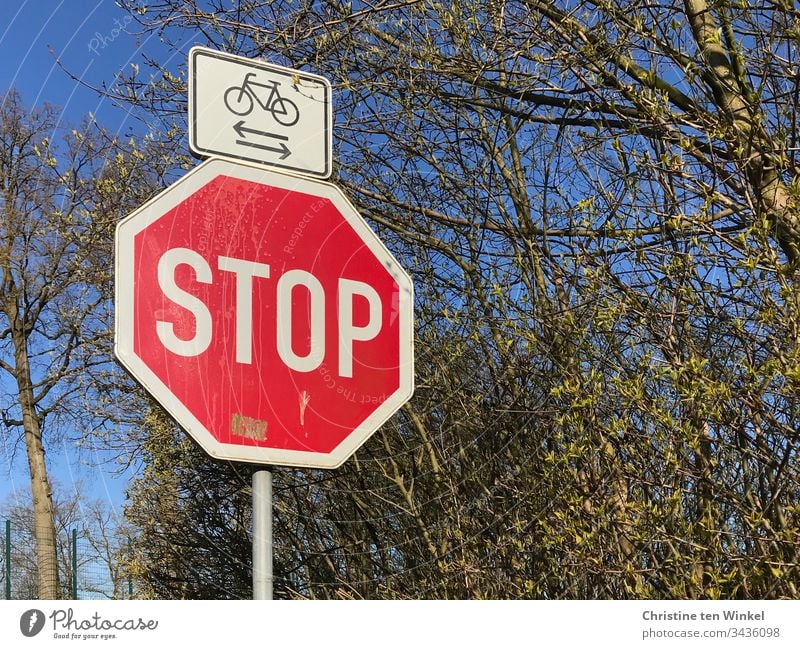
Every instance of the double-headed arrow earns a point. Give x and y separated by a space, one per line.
241 129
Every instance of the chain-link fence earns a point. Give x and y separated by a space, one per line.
89 566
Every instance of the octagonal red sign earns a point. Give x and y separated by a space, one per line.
264 314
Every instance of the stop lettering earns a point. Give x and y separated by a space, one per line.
287 328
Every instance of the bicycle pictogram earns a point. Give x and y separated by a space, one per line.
241 100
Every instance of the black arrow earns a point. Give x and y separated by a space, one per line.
283 149
241 129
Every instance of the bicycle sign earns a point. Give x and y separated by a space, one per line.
240 100
247 109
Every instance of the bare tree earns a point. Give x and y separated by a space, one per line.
61 197
598 203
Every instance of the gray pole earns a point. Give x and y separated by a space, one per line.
74 563
8 559
262 534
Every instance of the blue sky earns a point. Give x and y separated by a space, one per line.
56 52
92 40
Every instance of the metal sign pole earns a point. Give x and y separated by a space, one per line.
262 534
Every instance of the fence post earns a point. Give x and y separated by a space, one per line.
8 559
74 563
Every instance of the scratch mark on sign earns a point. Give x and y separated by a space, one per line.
305 397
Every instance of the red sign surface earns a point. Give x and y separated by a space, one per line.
264 315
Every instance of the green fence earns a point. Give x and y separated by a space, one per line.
89 567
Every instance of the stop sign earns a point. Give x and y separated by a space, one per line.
264 314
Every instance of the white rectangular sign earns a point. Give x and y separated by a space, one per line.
247 109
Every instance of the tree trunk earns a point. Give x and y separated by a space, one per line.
43 514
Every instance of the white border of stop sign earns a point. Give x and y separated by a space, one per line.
125 274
